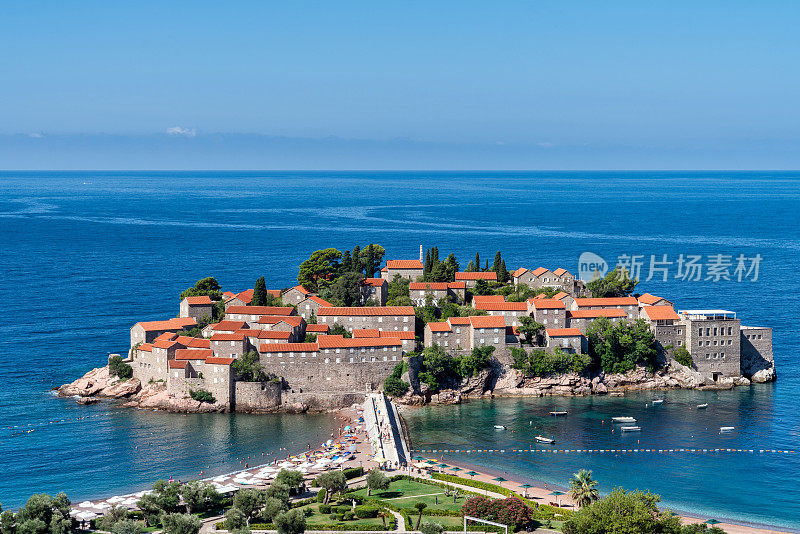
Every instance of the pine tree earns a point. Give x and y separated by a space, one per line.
477 262
347 262
470 267
497 260
502 274
357 264
486 267
259 293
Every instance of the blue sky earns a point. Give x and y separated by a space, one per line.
534 84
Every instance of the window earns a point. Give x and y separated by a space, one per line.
482 341
380 319
405 319
496 341
715 330
458 330
386 349
544 312
327 360
338 360
700 333
730 330
679 331
405 329
445 343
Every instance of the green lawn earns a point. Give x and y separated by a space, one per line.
324 519
406 493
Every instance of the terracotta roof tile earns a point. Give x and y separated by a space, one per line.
607 301
440 327
167 336
289 347
460 321
228 326
560 271
193 354
177 323
196 301
373 282
259 310
502 306
487 321
560 295
337 342
197 343
236 336
563 332
660 313
649 299
165 344
146 347
483 299
398 334
366 332
519 272
292 320
275 293
539 271
219 361
547 304
593 314
302 289
489 275
404 264
175 364
368 311
246 296
320 301
317 328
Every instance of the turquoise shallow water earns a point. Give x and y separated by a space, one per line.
84 255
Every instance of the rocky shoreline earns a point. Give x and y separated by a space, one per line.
502 381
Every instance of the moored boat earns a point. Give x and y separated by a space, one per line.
631 428
499 427
702 406
623 419
556 413
542 439
727 428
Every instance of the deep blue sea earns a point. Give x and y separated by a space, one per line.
84 255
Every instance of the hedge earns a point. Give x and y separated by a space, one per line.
353 472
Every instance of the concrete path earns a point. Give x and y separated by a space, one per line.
401 523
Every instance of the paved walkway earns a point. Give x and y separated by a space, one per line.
401 523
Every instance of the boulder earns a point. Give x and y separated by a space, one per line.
764 375
121 389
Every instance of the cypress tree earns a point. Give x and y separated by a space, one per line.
347 262
435 257
477 262
502 274
369 261
357 262
497 260
427 267
470 267
259 293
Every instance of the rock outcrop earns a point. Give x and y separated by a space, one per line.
99 383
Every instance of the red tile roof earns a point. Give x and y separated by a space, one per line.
649 299
607 301
487 321
374 282
433 286
404 264
338 342
563 332
368 310
165 344
175 364
219 361
193 354
461 321
592 314
288 347
259 310
273 334
439 327
398 334
276 293
660 313
519 272
246 296
301 289
228 326
560 295
489 275
502 306
228 295
177 323
146 347
167 336
547 304
236 336
317 328
320 301
366 332
292 320
560 271
196 301
193 342
539 271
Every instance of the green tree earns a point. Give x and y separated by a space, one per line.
181 524
420 506
199 496
376 480
320 268
278 490
503 275
682 356
347 262
272 507
497 260
529 328
372 257
248 368
291 478
333 482
118 368
202 395
207 286
616 283
398 293
259 293
234 520
291 522
482 288
249 501
624 513
167 494
8 522
430 527
477 262
346 289
339 330
148 504
476 361
620 347
113 515
583 489
127 526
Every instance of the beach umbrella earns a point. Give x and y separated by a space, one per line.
558 494
525 487
443 466
500 480
456 469
712 522
471 473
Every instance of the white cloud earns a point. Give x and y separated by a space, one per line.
177 130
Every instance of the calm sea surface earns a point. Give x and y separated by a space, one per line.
84 255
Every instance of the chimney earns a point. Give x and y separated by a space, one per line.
420 253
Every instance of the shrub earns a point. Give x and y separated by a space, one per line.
181 524
349 515
429 527
118 368
321 498
201 395
395 387
683 357
353 472
366 512
291 522
324 508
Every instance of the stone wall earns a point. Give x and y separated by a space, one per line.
757 360
348 374
257 396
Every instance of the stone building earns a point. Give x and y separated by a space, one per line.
550 313
398 318
511 311
230 345
756 351
628 304
409 269
309 306
666 327
408 340
375 289
240 299
148 331
581 319
291 323
419 292
651 300
471 278
223 327
567 339
251 314
197 307
295 295
713 339
256 337
522 276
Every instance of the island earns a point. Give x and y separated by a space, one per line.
421 330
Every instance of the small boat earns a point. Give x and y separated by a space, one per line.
727 428
658 401
702 406
542 439
623 419
558 413
499 427
631 428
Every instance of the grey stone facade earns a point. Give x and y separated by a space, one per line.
714 341
398 318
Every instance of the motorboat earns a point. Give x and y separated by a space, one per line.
727 428
658 401
542 439
555 413
499 427
623 419
631 428
702 406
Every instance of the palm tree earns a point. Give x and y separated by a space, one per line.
420 506
583 489
383 514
